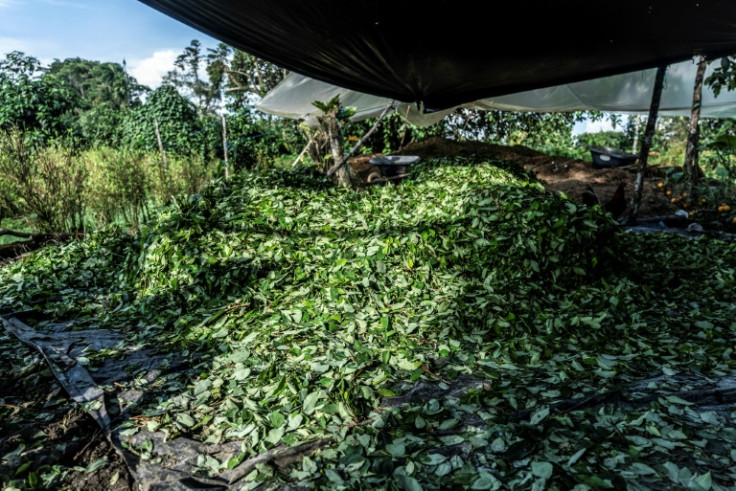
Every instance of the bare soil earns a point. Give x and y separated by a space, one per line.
561 175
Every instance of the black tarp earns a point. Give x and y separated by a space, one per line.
444 53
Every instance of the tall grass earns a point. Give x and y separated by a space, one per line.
126 184
57 188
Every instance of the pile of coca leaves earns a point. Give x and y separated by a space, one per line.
462 329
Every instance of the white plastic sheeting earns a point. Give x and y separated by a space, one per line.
293 98
627 93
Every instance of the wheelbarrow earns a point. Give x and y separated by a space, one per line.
390 168
610 157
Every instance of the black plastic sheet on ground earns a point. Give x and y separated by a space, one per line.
172 463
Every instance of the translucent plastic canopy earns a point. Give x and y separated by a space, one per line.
444 53
624 93
293 98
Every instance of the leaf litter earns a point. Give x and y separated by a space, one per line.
466 329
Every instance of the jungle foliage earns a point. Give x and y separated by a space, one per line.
83 107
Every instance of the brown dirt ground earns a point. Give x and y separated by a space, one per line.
560 175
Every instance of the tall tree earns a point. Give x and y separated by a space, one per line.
187 76
692 171
175 116
104 93
250 78
31 102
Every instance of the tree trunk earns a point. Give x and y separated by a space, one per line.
690 165
224 146
316 148
360 142
646 143
261 86
635 147
335 139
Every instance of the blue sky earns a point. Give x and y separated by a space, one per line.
101 30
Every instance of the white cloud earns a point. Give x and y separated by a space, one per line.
589 126
7 3
149 71
29 48
598 126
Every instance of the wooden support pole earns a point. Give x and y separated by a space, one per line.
637 129
646 143
405 128
163 170
306 148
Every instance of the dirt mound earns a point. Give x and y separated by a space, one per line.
561 175
439 147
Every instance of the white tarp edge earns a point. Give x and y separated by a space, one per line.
627 93
293 97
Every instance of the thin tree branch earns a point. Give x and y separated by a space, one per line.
239 86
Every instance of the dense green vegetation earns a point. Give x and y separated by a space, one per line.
302 309
463 329
83 145
123 149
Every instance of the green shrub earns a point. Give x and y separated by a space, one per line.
44 183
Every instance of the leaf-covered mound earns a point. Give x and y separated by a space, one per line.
463 329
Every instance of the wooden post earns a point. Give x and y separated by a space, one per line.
224 146
299 157
164 169
690 165
646 143
406 127
160 143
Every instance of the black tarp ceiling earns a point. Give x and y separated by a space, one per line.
445 53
